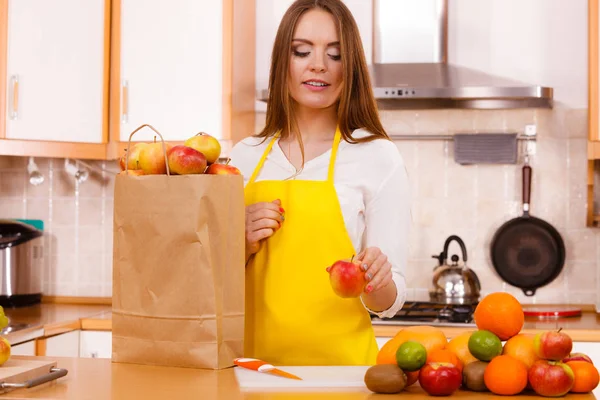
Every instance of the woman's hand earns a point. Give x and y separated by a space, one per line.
379 294
378 270
262 221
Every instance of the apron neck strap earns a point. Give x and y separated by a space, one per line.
336 142
334 148
263 158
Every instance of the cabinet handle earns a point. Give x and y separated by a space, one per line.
14 112
125 90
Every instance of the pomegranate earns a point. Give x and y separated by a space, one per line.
347 278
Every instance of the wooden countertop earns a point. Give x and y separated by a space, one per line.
99 379
50 319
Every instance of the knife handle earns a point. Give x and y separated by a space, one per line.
253 364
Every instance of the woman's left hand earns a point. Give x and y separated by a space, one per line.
378 270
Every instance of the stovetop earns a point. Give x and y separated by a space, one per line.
430 313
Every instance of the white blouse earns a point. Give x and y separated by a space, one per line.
373 190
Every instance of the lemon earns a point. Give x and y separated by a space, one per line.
484 345
411 356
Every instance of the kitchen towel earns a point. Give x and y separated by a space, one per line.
178 270
485 148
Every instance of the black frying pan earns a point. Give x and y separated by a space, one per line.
527 252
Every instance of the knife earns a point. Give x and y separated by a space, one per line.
261 366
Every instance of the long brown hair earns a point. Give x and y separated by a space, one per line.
356 107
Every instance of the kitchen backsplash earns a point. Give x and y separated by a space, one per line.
448 198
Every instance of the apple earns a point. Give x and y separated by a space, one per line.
134 156
205 144
223 169
347 278
132 172
184 160
152 159
577 357
440 378
4 350
551 345
550 378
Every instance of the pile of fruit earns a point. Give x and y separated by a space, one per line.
497 357
197 155
4 343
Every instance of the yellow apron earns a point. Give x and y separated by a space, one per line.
293 317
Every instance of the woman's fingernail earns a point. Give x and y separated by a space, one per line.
365 267
368 276
282 217
368 289
281 210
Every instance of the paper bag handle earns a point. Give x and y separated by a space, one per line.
161 139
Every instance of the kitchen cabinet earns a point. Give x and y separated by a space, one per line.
63 345
23 349
54 91
183 67
80 76
593 214
95 344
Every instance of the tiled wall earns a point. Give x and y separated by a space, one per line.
77 217
469 201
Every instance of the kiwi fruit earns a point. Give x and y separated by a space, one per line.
385 378
473 376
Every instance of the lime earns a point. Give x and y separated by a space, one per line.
3 319
484 345
411 356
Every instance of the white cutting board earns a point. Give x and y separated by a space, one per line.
312 377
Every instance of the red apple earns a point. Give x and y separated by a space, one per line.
577 357
440 379
4 350
551 345
223 169
134 156
152 159
205 144
184 160
550 378
347 278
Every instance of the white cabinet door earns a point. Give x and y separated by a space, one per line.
95 344
171 68
23 349
63 345
55 70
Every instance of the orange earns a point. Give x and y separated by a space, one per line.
500 313
459 345
444 355
586 376
521 347
505 375
429 336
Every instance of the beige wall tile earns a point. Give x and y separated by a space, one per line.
581 274
12 208
38 209
12 184
63 211
90 211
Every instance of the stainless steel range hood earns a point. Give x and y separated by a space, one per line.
410 68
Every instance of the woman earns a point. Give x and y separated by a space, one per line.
322 184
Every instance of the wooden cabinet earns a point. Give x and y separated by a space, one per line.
63 345
183 67
55 76
95 344
23 349
593 214
80 76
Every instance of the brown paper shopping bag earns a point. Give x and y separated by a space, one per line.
178 270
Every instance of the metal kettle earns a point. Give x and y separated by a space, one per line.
454 284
